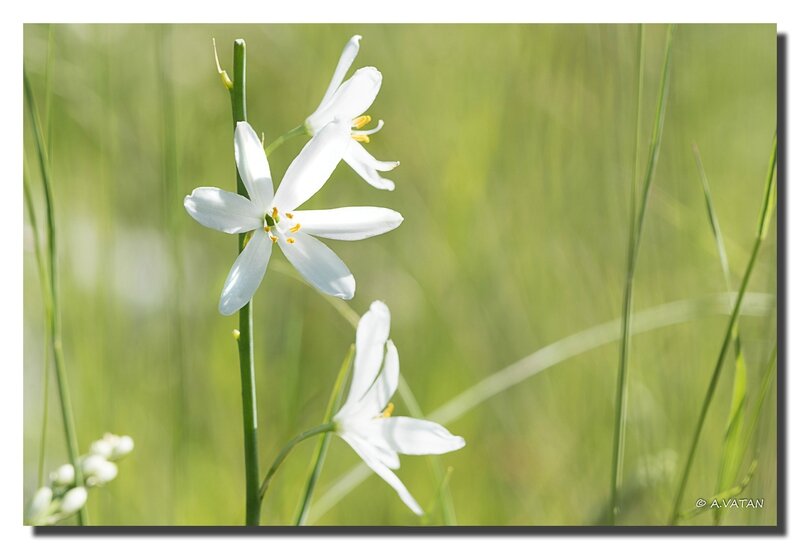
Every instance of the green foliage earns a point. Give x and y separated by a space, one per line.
515 145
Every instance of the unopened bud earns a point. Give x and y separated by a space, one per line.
123 447
40 505
74 500
98 470
101 447
64 475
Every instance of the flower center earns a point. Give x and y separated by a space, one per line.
387 412
362 136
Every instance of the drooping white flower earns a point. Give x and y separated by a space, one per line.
347 102
365 421
275 219
73 500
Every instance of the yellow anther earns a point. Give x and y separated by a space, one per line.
387 412
289 215
274 213
361 138
361 121
290 240
295 228
273 237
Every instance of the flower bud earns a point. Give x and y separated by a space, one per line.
40 505
74 500
123 447
101 447
98 470
63 476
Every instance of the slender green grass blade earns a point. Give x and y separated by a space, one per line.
634 239
54 321
732 447
321 449
767 206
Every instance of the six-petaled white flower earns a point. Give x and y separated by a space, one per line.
347 102
274 219
365 421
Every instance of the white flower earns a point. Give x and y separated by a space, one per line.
274 219
365 421
347 102
73 500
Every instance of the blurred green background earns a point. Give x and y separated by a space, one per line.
516 146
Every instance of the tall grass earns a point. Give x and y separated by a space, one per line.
765 214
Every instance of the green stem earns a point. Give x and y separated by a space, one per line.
634 239
55 311
767 206
294 132
245 337
321 449
42 270
319 429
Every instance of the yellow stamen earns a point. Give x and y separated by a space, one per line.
290 240
273 237
295 228
274 213
361 138
361 121
387 412
289 215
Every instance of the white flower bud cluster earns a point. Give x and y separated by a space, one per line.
61 498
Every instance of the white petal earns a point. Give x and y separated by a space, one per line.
371 336
246 274
253 166
351 223
309 171
370 457
345 62
319 265
222 210
367 166
349 101
379 394
417 436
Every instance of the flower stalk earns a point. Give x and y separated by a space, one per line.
294 132
245 341
321 449
318 430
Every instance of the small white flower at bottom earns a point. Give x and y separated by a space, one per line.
365 421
